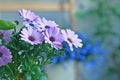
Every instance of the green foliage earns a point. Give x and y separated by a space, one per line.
28 60
6 25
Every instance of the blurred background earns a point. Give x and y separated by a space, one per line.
97 22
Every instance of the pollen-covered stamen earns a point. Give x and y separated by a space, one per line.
1 35
52 39
31 38
69 40
1 54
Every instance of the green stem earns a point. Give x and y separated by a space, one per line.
44 62
11 72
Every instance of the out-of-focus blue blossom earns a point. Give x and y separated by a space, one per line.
92 54
81 58
90 64
96 61
72 55
84 53
54 60
61 59
98 55
78 54
82 36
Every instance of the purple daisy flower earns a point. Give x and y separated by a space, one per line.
30 18
45 24
32 24
6 34
27 15
32 36
5 56
54 37
71 38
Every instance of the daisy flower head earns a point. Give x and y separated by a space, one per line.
32 36
32 24
71 38
5 34
54 37
30 18
27 15
5 56
45 24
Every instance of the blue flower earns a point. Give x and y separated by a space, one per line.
62 58
90 64
82 54
82 57
54 60
82 36
72 55
84 51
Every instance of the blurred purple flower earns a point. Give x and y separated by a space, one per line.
71 38
54 37
5 56
30 18
27 15
32 24
31 36
45 24
5 34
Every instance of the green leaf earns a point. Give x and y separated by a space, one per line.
6 25
28 76
36 71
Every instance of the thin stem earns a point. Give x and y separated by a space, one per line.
11 71
15 29
45 61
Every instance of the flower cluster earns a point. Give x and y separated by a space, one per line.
37 30
81 54
29 49
5 54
